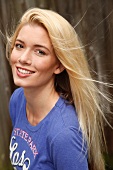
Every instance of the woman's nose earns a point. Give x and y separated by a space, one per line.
25 58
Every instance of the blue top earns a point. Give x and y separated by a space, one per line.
55 143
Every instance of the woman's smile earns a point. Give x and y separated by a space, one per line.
23 72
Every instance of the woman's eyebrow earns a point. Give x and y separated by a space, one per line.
19 41
42 46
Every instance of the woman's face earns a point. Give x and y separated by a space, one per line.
33 60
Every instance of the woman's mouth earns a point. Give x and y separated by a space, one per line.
24 71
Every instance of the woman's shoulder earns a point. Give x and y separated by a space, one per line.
68 115
15 102
17 92
66 138
16 98
17 95
64 120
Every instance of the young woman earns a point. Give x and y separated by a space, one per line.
56 113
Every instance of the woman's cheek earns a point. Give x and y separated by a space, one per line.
13 57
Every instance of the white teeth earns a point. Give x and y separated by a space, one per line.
24 71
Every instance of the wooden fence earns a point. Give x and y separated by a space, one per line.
93 21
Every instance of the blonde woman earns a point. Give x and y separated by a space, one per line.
55 112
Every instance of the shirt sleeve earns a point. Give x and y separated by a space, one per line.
68 150
14 99
12 108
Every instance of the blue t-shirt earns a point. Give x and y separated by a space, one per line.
55 143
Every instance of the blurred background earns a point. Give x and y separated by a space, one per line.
93 21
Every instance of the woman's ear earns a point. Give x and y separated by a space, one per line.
59 69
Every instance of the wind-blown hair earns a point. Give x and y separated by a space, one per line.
75 82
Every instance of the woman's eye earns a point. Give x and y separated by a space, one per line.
18 45
40 52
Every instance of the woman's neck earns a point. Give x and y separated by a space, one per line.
39 103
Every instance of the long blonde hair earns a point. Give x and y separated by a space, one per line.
75 82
